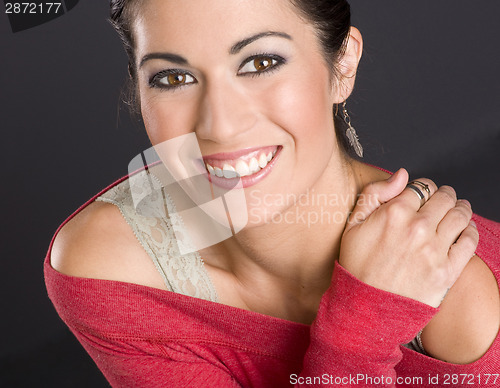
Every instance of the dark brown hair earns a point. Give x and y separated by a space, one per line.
331 19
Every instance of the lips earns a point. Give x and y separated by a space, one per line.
249 165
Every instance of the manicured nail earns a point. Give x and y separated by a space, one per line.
473 224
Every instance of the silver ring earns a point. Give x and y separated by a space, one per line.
417 191
423 186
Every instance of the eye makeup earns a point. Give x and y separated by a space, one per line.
267 63
176 78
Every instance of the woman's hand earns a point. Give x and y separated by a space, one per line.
393 244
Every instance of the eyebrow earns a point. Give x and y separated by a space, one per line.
174 58
235 49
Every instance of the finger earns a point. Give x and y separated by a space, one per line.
455 221
463 250
375 194
413 200
439 204
426 186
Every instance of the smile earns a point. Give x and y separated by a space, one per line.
250 165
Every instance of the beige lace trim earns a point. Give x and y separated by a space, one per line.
154 229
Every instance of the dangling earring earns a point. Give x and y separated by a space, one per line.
351 133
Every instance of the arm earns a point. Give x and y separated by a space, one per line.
358 329
150 371
408 250
469 317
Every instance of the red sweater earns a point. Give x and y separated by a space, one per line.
146 337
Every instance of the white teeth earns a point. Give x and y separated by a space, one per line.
254 166
262 161
242 168
218 172
229 171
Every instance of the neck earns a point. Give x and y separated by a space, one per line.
304 240
295 260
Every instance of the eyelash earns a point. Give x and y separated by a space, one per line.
279 62
155 80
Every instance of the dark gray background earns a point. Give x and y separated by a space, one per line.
427 98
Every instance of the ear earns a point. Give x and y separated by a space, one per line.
348 66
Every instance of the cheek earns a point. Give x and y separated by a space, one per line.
303 107
165 119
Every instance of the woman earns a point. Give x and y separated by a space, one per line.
298 302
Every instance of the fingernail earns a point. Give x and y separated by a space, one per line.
466 202
473 224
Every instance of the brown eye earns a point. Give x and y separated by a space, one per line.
171 79
262 63
176 79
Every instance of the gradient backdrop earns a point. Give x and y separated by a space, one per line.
427 98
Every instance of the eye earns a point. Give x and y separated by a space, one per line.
168 79
260 64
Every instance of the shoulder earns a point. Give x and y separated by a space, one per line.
98 243
469 318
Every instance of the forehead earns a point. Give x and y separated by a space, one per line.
190 25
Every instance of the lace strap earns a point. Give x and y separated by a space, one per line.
416 344
152 226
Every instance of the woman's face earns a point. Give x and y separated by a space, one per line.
250 80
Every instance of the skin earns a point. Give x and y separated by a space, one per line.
282 268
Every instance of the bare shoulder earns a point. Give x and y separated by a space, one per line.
469 319
98 243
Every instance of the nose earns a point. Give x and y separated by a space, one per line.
225 112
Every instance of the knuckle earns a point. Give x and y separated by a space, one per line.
446 195
449 191
461 216
369 195
419 228
397 210
469 245
428 252
465 208
465 203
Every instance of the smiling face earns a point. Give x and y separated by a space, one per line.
251 81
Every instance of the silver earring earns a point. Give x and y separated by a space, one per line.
351 133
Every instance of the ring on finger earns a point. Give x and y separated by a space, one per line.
417 191
423 186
